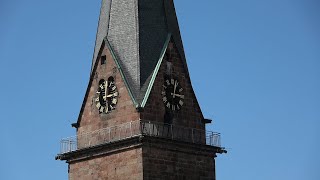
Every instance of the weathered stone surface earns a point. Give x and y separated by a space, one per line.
90 119
142 157
153 159
190 114
117 166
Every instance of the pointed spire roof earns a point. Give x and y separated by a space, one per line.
137 31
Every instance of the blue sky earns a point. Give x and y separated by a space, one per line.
254 67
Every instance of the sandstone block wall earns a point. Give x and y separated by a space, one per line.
166 164
118 166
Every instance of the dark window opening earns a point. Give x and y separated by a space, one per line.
103 60
110 79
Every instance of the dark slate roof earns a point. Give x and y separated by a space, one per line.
102 28
137 31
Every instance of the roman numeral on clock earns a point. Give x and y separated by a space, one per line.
164 99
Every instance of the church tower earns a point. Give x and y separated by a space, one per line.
140 118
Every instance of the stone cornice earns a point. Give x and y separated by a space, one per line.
138 142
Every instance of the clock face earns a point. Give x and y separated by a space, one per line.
107 96
172 94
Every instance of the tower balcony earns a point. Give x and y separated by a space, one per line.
139 128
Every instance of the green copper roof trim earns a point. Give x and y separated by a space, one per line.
121 73
155 72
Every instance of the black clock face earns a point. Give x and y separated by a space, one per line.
112 95
172 94
107 95
101 96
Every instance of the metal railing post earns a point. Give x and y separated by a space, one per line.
192 136
87 142
171 132
61 147
130 128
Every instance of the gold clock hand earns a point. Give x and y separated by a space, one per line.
174 89
105 88
178 95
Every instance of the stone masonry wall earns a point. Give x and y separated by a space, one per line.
125 111
190 114
165 163
118 166
147 162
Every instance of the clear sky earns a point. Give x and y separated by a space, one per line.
255 68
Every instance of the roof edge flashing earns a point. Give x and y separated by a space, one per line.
136 104
155 72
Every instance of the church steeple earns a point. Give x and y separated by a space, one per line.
137 31
140 118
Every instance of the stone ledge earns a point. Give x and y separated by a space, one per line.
140 141
181 146
100 150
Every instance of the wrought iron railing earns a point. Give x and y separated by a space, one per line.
139 128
